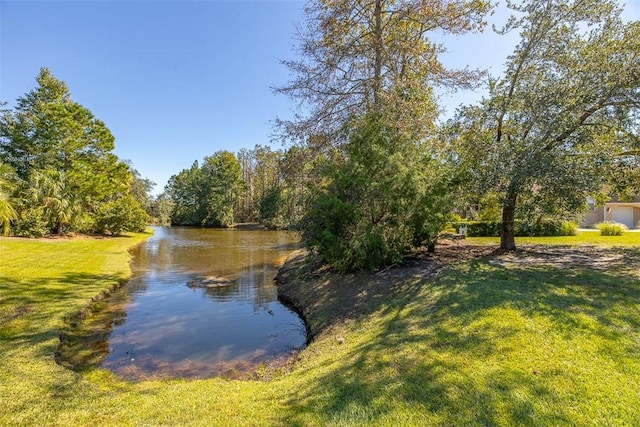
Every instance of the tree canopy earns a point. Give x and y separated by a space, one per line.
365 76
63 164
206 195
357 56
565 107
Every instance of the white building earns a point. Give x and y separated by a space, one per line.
627 213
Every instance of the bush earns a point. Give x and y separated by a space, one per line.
479 228
31 223
568 228
541 228
121 215
545 228
84 223
611 228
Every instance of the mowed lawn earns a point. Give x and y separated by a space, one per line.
550 336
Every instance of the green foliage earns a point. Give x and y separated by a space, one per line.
222 185
161 208
479 228
49 189
183 189
121 215
31 222
611 228
545 228
140 189
522 228
205 195
385 198
564 109
489 208
270 207
356 57
277 184
7 210
568 228
63 162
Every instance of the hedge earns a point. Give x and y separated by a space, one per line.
522 228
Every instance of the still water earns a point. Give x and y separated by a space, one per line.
170 329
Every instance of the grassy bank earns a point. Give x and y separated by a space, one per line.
541 338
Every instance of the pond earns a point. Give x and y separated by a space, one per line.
200 303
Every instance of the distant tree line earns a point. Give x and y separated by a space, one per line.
58 173
256 185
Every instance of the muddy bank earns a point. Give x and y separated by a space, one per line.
325 298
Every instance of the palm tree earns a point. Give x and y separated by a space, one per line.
48 188
7 212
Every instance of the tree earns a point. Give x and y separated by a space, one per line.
62 158
365 76
223 185
205 195
184 192
161 209
141 188
7 211
245 206
563 108
122 214
49 130
49 189
359 56
276 184
387 196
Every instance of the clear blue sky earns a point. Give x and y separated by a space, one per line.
178 80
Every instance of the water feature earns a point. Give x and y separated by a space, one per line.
202 302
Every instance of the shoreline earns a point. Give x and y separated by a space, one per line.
325 299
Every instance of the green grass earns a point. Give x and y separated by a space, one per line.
484 343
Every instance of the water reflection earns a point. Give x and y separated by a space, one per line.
172 330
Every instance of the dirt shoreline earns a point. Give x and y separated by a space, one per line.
326 299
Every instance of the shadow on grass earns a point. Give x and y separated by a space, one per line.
31 312
431 333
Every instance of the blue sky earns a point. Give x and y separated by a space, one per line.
178 80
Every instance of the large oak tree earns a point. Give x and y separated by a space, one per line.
565 107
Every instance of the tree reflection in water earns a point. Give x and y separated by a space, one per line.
157 326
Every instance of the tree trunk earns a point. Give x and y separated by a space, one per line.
377 60
507 235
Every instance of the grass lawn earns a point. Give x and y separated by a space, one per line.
544 337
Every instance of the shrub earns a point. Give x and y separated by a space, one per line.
545 228
479 228
611 228
568 228
384 198
540 228
121 215
31 223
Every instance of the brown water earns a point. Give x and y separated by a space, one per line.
168 329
